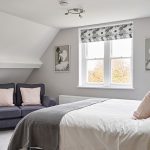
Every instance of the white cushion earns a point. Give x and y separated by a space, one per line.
30 96
6 97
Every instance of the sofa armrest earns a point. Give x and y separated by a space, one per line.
48 102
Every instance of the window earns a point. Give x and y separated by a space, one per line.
121 61
106 62
94 57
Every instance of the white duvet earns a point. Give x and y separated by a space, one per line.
105 126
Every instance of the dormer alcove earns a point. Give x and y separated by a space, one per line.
22 43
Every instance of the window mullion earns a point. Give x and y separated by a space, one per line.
84 64
107 70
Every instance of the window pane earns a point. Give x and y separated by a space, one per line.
95 71
95 50
121 48
121 71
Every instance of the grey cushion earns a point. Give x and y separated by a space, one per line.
28 109
23 85
10 112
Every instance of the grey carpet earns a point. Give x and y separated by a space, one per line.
4 139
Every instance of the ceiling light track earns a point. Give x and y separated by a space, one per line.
77 11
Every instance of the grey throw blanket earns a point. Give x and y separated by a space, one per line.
41 128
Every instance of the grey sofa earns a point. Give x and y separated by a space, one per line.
10 116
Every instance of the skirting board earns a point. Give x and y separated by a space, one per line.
63 99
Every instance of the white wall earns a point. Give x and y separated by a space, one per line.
66 83
22 43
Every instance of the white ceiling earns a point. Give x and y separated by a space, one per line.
48 12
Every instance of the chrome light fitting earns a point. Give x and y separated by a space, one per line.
63 2
77 11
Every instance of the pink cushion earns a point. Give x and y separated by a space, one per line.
143 111
30 96
6 97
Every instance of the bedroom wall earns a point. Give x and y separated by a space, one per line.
14 75
22 43
66 83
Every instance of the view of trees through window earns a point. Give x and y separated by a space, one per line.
120 72
96 74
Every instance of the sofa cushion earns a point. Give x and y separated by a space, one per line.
10 112
28 109
8 86
6 97
22 85
30 96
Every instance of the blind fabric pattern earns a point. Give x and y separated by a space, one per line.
107 33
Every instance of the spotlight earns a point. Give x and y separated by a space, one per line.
80 16
67 13
63 2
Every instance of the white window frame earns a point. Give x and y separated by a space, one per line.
107 69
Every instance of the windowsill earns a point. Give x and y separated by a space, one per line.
115 87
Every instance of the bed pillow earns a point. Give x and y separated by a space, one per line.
30 96
143 111
6 97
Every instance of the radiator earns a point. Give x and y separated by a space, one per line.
69 98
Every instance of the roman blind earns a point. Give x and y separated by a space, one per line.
107 33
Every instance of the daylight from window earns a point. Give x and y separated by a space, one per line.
121 61
95 62
113 57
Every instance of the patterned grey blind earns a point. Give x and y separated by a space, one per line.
107 33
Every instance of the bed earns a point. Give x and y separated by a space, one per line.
94 124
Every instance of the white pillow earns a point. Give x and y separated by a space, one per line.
6 97
30 96
143 111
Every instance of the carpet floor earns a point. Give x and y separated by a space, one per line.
5 138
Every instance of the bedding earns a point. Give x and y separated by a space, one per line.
41 128
86 125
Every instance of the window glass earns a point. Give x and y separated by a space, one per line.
106 63
95 71
95 50
121 71
121 48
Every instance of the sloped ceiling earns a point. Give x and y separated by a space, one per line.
49 12
23 40
22 43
